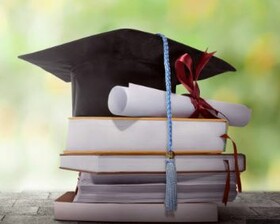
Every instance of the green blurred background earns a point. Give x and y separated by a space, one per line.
34 105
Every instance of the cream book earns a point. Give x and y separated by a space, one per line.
149 163
147 135
66 209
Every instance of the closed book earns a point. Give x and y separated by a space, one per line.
145 178
149 163
129 198
105 135
196 189
66 209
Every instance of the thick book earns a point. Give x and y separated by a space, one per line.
66 209
105 135
145 178
149 163
187 197
196 189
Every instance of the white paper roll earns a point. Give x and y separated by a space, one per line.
142 101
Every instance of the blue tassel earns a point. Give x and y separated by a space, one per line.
171 187
171 176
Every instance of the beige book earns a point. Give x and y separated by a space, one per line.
109 135
149 163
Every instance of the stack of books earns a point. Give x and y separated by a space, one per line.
121 161
118 136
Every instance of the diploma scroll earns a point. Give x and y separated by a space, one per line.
140 101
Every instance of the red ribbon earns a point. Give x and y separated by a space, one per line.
189 79
236 166
188 75
227 184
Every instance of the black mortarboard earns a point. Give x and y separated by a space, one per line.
97 63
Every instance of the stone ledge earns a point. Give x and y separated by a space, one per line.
37 207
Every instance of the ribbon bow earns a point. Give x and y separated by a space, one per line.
189 81
202 108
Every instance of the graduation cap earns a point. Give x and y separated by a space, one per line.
95 64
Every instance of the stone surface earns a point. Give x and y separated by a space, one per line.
274 196
24 195
46 211
254 199
268 212
262 221
37 207
233 221
230 213
34 202
35 195
22 210
7 202
26 219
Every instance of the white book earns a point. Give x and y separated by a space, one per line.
190 197
149 163
182 187
193 190
144 178
86 186
65 209
146 135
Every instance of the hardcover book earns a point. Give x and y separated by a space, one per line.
196 189
147 135
66 209
149 163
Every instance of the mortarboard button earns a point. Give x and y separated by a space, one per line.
95 64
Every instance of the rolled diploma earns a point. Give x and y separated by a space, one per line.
141 101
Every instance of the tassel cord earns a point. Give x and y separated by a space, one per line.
171 176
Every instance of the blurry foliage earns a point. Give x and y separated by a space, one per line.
34 105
